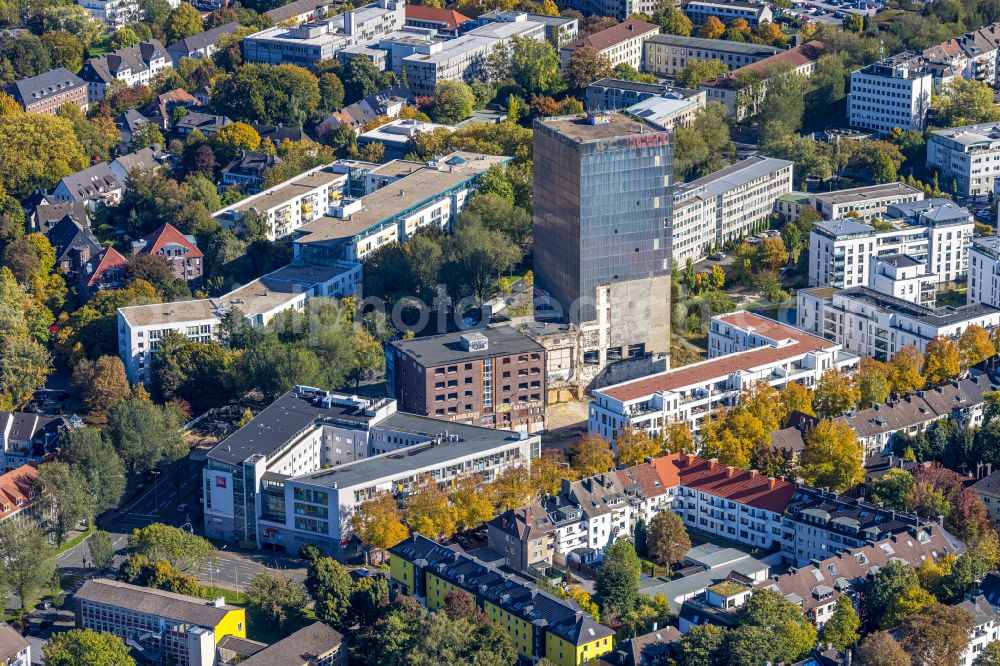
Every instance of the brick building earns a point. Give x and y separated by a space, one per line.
491 377
46 92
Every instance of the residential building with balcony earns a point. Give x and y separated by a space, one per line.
116 14
621 44
727 11
894 92
666 55
904 277
968 155
179 250
397 136
160 627
869 323
935 232
491 377
132 65
763 351
726 205
540 624
142 327
295 474
972 56
984 271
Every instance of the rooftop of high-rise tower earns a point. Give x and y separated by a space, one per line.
599 126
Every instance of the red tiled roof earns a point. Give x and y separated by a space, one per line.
646 477
737 485
17 484
793 58
169 234
722 366
449 16
614 35
110 258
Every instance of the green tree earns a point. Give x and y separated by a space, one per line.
143 434
701 646
891 581
68 496
790 634
474 258
453 102
331 92
698 71
667 540
124 37
183 550
616 588
892 489
990 656
673 21
873 382
832 457
965 102
36 150
88 452
182 22
77 647
101 550
841 630
272 599
27 557
532 64
65 50
330 585
270 94
361 78
702 147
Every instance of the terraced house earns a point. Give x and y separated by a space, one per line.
540 624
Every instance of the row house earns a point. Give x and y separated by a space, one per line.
131 66
972 56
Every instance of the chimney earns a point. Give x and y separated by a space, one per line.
729 472
754 473
712 463
774 483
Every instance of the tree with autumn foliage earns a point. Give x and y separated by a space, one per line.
733 436
513 488
666 538
676 437
835 394
587 65
833 458
763 401
548 471
473 501
712 28
428 510
634 446
591 455
904 370
378 522
873 382
773 253
942 361
796 397
974 346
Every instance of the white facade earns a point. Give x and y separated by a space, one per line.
868 323
131 66
969 155
936 233
115 14
759 350
984 271
903 277
895 92
725 205
866 202
141 327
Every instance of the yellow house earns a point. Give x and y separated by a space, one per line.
538 623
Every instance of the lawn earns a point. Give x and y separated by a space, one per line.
953 298
75 541
271 633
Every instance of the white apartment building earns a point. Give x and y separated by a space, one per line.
132 65
295 473
464 58
866 322
984 271
622 43
141 327
972 56
394 201
14 650
322 39
665 55
726 204
866 202
894 92
968 155
762 350
904 277
985 629
115 14
935 232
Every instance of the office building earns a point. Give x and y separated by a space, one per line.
46 92
14 649
867 202
666 55
295 474
313 645
161 627
729 91
491 377
743 349
606 95
132 65
669 110
968 156
389 203
869 323
540 624
726 205
621 44
601 241
935 232
894 92
727 11
558 29
141 327
321 39
463 58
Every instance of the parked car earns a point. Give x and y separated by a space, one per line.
717 256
